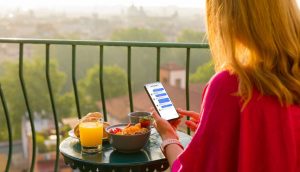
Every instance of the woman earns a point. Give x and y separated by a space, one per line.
250 115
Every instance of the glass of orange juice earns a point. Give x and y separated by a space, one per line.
91 134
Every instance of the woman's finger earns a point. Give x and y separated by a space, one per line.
195 120
193 126
175 123
191 114
155 115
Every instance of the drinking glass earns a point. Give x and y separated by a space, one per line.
91 134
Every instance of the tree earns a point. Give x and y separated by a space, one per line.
40 141
115 84
65 105
137 34
203 73
192 36
36 87
3 126
197 56
143 59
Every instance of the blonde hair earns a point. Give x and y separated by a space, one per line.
259 41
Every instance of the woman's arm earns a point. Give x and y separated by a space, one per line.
167 132
172 151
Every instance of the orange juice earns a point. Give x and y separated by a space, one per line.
91 134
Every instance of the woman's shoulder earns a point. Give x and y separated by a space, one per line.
223 80
221 90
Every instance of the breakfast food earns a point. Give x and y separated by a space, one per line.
145 122
130 130
105 125
91 117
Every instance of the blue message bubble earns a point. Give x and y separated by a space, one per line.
165 106
158 89
160 95
165 100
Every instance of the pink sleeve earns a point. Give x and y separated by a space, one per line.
217 130
176 165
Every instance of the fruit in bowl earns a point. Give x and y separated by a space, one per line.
146 122
128 138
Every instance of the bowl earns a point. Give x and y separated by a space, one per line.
127 143
134 117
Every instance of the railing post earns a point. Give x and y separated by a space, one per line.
101 83
187 78
21 46
53 106
74 80
158 64
9 130
129 78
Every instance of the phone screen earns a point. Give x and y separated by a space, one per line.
161 101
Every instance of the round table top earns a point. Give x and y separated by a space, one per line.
149 158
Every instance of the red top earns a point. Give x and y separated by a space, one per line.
264 137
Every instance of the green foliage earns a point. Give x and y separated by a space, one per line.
115 84
64 129
66 105
137 34
197 56
192 36
86 57
3 127
36 87
115 81
203 73
143 59
40 141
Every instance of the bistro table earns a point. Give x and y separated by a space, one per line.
150 158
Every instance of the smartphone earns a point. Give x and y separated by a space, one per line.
161 101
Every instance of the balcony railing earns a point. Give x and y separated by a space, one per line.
73 44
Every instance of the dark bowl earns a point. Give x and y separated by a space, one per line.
135 116
127 143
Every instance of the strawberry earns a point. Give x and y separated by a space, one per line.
145 122
115 130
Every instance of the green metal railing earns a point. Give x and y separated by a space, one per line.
73 43
9 129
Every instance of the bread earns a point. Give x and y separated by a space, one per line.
105 134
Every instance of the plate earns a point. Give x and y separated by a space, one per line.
72 134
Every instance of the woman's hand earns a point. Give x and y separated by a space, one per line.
194 118
167 130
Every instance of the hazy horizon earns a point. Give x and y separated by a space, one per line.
58 4
102 7
105 7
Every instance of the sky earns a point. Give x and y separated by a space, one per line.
93 4
90 3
